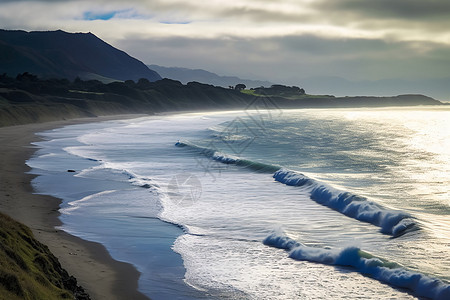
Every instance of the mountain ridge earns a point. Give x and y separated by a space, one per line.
185 75
60 54
28 99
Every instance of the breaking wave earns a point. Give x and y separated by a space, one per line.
117 173
391 222
382 270
230 159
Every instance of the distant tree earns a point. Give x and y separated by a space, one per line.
78 80
26 77
280 90
278 87
297 90
129 82
143 83
240 87
4 78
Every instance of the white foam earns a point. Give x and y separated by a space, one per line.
237 208
391 221
384 271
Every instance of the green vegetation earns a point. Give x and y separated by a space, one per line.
29 99
27 268
278 90
249 92
255 93
286 92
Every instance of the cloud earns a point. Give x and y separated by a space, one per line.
399 19
279 40
430 10
296 56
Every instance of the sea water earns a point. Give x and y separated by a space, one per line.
263 204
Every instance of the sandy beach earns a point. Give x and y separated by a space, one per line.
100 275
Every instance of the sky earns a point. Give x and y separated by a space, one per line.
323 44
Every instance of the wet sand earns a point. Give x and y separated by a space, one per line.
100 275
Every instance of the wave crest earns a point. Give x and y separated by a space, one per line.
364 263
391 222
229 159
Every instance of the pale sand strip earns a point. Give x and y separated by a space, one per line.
90 263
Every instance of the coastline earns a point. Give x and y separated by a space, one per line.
99 274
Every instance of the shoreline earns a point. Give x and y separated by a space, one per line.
89 262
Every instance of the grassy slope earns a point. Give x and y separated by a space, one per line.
34 100
28 270
286 100
38 100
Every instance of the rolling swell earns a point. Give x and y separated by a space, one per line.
391 222
229 159
364 263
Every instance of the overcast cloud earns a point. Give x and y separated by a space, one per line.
283 41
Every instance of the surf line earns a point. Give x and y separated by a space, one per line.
391 222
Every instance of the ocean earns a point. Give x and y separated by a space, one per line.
263 203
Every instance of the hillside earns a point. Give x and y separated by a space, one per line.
58 54
438 88
295 97
185 75
28 270
28 99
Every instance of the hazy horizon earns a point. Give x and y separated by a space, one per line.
340 47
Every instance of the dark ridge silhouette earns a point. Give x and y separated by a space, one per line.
27 98
67 55
186 75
